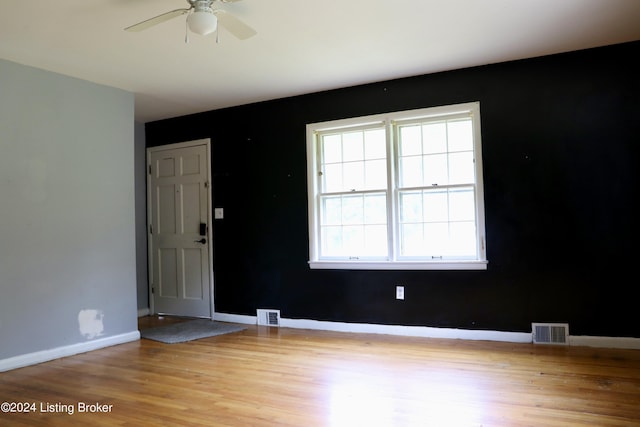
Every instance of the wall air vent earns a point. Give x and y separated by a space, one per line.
550 333
268 317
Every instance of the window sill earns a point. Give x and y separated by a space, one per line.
398 265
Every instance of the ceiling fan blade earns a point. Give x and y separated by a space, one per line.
234 25
156 20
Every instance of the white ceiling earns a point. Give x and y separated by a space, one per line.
302 46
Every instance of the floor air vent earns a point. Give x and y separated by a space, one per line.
268 317
550 333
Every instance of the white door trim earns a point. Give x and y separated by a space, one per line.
207 143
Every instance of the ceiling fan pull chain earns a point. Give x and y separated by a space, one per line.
186 31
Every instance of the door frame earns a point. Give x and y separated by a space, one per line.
207 143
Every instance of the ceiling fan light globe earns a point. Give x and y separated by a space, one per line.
202 22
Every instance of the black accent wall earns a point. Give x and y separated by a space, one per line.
560 138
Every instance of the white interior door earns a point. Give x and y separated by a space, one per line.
179 233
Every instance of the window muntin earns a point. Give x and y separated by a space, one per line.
352 193
437 223
354 160
436 181
354 225
402 190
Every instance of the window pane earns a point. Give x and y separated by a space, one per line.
332 178
375 144
353 176
462 205
411 206
375 174
460 135
375 240
353 240
412 240
354 225
434 138
463 239
331 149
375 209
331 211
352 146
331 238
438 223
410 140
436 238
435 169
461 168
352 209
411 171
435 206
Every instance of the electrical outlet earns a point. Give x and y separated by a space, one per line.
399 292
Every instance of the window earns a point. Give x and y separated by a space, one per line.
397 191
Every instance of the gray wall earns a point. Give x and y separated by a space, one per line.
142 281
67 223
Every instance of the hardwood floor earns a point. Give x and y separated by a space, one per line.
289 377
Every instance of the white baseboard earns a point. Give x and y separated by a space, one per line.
69 350
235 318
407 331
430 332
369 328
605 342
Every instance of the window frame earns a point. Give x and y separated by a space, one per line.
390 122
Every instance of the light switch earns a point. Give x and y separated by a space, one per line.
218 213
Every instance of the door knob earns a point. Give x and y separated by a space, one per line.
203 241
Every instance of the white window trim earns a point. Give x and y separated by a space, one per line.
393 264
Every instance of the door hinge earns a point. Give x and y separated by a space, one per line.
153 290
149 169
150 228
206 184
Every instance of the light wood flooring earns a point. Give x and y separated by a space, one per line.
290 377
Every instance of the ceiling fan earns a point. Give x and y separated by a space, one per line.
203 19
